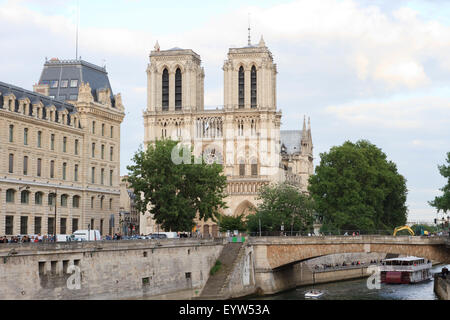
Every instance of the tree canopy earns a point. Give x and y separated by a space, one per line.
282 204
230 223
443 202
175 193
355 187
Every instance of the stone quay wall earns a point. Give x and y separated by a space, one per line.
441 287
107 270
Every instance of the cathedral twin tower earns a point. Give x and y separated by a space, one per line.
244 135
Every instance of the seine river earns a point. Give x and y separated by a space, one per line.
357 290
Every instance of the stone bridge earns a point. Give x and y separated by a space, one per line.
275 258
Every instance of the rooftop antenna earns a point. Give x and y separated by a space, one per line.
78 22
249 42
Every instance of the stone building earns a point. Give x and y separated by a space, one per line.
244 135
60 145
129 216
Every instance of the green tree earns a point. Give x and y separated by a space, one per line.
176 193
230 223
355 187
282 205
443 202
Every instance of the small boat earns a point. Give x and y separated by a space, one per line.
314 294
405 270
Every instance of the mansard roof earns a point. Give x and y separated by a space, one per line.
291 141
34 97
80 70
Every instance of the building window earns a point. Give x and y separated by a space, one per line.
76 147
51 225
24 197
178 89
64 198
92 224
112 132
76 202
64 171
74 225
73 83
65 144
52 142
103 151
111 177
101 203
25 165
52 169
75 173
93 175
103 129
25 136
23 225
93 150
37 225
11 163
241 87
9 224
102 176
10 195
11 133
39 139
64 83
54 84
38 198
51 199
93 127
253 87
165 90
92 202
254 169
242 169
63 225
110 203
39 167
111 153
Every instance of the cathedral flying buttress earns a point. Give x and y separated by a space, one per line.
244 135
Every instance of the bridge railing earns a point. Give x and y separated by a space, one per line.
328 233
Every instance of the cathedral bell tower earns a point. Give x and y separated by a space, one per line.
250 78
174 81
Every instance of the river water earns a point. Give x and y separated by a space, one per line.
358 290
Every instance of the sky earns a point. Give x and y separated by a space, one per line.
360 69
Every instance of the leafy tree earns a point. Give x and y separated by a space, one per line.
232 223
285 205
420 228
356 188
176 193
443 202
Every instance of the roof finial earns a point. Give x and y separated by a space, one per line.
157 47
261 42
249 40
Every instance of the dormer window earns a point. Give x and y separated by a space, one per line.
54 84
64 83
74 83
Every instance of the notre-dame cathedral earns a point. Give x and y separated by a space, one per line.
244 135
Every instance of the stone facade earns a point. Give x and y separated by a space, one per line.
129 215
243 135
68 148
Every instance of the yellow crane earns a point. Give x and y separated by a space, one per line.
403 228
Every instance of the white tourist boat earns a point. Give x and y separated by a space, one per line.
314 294
405 270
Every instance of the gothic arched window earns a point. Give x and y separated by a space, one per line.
253 87
178 89
165 90
241 88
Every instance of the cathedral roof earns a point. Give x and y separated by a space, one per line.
291 141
